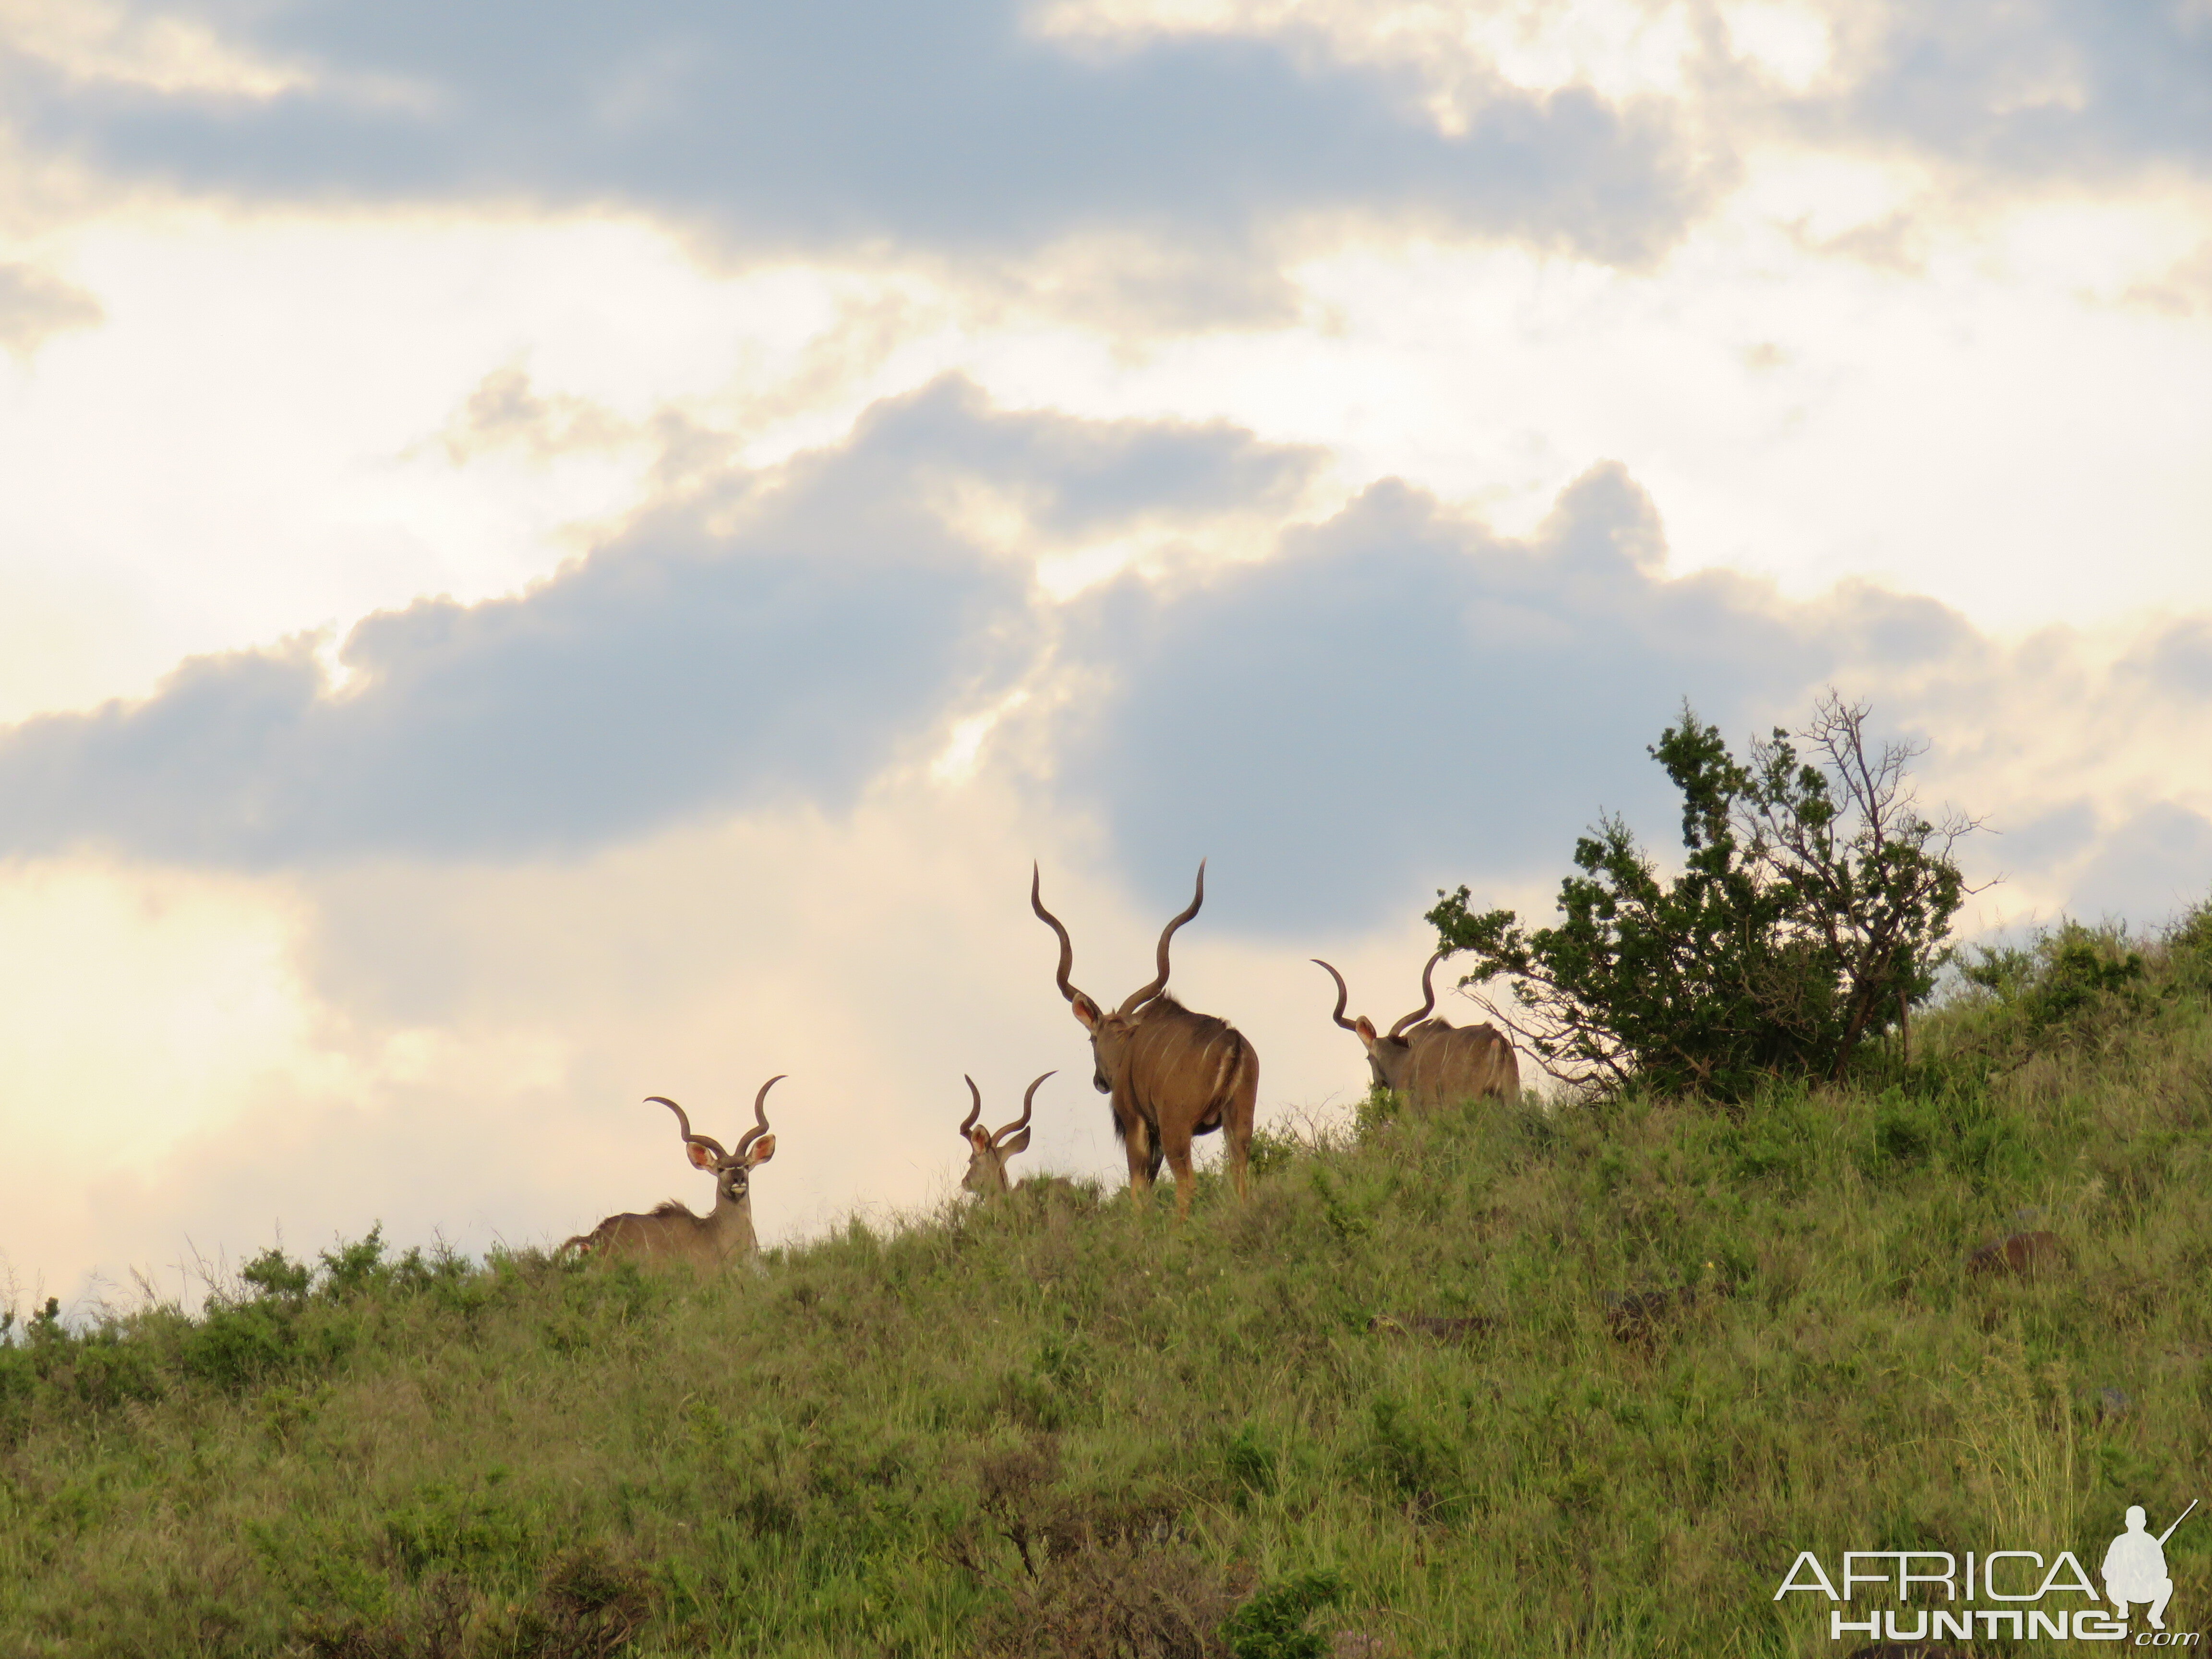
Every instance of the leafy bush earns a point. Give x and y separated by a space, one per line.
471 1530
271 1275
1272 1625
2068 983
1811 912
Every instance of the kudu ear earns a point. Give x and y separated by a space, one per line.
1019 1143
763 1150
1086 1011
700 1157
1366 1027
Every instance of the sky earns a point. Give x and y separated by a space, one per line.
553 553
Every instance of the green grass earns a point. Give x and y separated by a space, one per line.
1054 1425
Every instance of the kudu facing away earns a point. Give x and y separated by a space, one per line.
1170 1073
1434 1063
987 1152
673 1233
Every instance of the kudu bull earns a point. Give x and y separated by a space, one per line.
1434 1063
671 1232
987 1152
1170 1073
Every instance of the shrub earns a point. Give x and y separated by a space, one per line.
2066 984
1272 1625
1811 912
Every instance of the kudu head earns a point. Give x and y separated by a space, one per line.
733 1171
987 1152
1111 1033
1387 1051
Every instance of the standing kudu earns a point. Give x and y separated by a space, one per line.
987 1152
1171 1074
673 1233
1434 1063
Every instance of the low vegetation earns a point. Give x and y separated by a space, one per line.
1505 1382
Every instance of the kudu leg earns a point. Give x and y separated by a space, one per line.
1237 1125
1177 1148
1137 1142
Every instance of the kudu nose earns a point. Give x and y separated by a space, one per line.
1098 1082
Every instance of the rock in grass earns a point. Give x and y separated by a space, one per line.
2021 1255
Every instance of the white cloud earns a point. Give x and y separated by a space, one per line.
101 41
1789 43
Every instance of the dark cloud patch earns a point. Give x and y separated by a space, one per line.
1402 700
2180 660
1072 477
948 125
665 675
2156 865
2048 839
681 670
2073 87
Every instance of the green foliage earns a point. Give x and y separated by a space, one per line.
2067 984
236 1344
270 1274
1810 913
481 1529
1271 1151
46 1326
1379 1106
1252 1460
1272 1625
2188 946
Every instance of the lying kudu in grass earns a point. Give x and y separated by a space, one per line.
673 1233
1434 1063
1171 1074
987 1152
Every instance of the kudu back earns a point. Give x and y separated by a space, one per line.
1432 1062
988 1150
1170 1074
670 1232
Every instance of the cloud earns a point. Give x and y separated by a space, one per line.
1392 700
2066 88
34 305
775 638
951 126
2159 861
1402 700
2179 661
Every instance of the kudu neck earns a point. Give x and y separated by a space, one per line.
730 1223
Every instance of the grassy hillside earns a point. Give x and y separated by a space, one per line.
1698 1344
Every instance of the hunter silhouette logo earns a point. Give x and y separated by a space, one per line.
2134 1567
2030 1596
